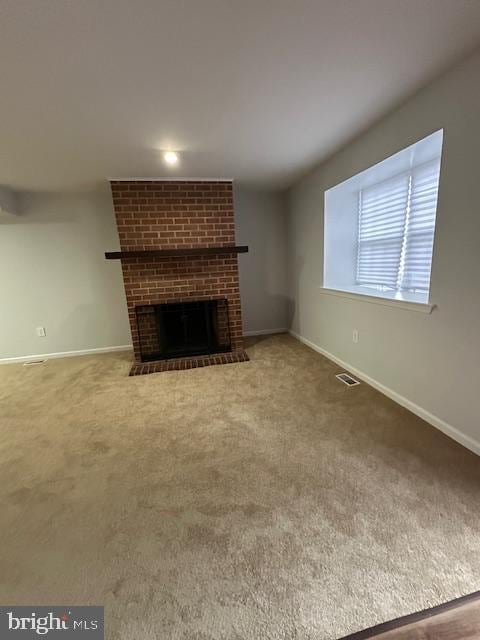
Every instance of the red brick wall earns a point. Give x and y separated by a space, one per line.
171 215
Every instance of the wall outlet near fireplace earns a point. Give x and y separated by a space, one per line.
41 333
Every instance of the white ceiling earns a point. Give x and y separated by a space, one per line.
257 90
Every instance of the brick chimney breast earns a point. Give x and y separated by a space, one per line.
157 214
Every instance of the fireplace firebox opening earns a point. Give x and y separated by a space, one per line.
183 329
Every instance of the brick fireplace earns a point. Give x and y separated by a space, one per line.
177 242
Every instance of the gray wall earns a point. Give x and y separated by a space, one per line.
261 224
431 360
53 273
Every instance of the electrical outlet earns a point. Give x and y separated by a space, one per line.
355 336
41 333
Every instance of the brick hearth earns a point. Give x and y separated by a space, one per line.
178 215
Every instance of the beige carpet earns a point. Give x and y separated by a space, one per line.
262 500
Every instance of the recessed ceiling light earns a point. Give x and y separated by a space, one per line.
170 157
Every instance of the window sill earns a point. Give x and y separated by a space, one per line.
419 307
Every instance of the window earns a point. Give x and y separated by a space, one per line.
380 225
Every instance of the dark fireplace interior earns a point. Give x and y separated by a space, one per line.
183 329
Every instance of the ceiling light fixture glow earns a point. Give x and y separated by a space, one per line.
170 157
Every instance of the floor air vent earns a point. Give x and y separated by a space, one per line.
347 379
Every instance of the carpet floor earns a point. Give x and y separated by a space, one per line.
256 501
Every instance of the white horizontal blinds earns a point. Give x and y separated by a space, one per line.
416 260
396 230
382 219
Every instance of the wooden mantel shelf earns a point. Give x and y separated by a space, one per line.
172 253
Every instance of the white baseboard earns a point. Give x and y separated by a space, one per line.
65 354
447 429
264 332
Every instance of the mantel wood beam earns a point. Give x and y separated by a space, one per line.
173 253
